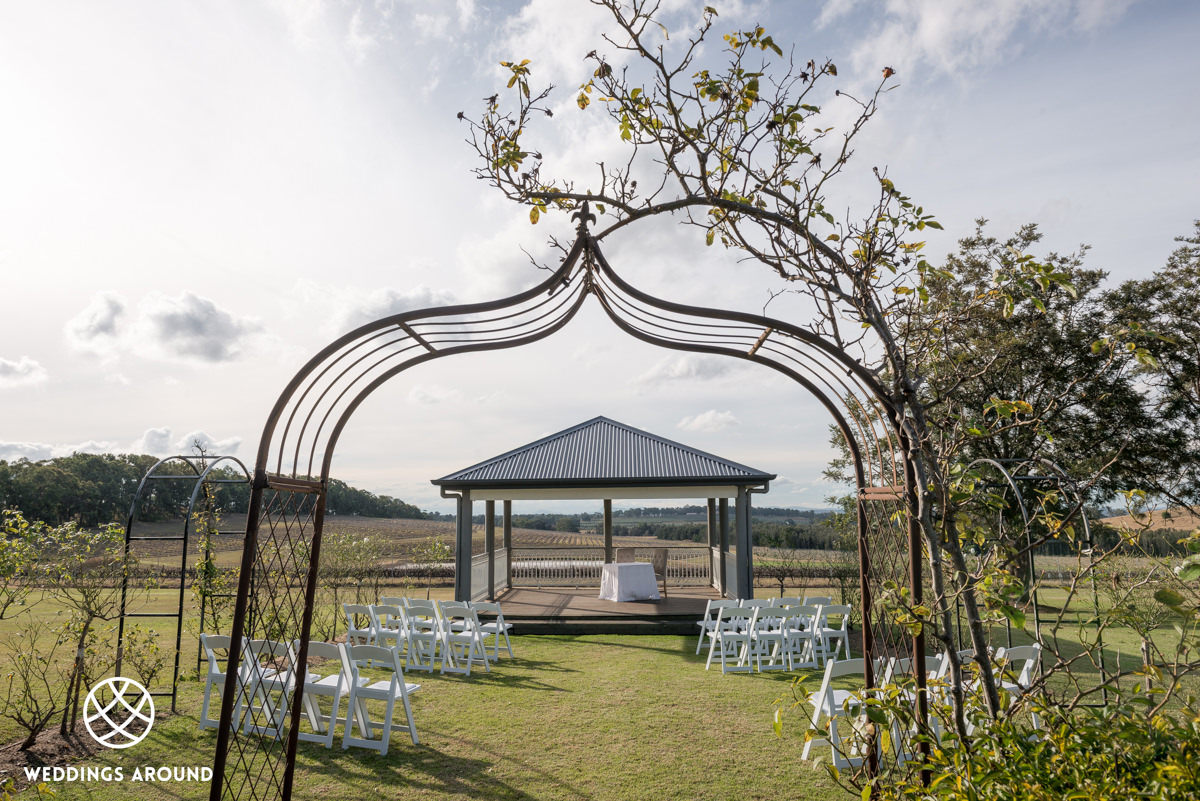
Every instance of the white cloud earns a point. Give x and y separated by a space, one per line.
712 420
956 37
357 310
156 441
96 329
191 327
214 447
687 366
434 394
23 372
33 451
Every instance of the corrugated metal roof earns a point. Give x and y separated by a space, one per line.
604 452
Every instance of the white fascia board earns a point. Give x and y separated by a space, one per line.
602 493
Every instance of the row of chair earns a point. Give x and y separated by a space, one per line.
267 677
1014 670
449 633
785 634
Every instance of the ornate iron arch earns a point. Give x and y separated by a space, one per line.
292 467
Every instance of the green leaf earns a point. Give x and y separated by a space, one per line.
1168 597
708 238
1189 572
1016 616
534 214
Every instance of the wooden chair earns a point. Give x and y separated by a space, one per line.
658 561
623 555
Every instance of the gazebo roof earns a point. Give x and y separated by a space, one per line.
599 458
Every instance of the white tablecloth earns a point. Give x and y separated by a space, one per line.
628 581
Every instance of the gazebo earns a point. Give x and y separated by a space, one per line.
601 459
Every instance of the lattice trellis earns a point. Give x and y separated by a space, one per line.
296 450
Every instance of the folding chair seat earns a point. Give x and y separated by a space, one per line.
317 687
359 630
838 634
424 634
845 717
709 620
461 639
394 691
268 680
215 677
730 637
494 628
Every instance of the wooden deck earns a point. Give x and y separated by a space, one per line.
580 611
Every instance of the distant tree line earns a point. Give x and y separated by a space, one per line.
93 489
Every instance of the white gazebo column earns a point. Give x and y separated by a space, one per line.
489 545
507 540
608 546
462 548
745 566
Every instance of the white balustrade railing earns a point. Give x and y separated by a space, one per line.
579 566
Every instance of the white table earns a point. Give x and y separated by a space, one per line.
628 581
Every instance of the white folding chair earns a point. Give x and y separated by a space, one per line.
461 639
801 636
786 602
1021 660
317 687
215 677
268 681
768 634
359 630
395 690
843 709
392 600
901 672
387 621
709 620
495 628
838 634
730 637
424 634
817 600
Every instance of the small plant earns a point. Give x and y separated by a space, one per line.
35 680
144 654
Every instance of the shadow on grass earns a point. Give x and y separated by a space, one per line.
409 769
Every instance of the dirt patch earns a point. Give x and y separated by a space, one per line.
51 748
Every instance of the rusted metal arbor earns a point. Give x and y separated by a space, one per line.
283 538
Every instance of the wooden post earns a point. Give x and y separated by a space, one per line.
608 546
507 545
489 540
462 548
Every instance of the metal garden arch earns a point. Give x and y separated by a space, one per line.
283 539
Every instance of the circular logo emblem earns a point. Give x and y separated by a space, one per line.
118 712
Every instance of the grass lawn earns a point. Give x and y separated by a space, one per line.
588 717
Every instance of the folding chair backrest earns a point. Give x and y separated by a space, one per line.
1022 659
785 602
320 650
423 614
732 618
836 610
817 600
211 643
767 617
489 607
386 616
754 603
391 600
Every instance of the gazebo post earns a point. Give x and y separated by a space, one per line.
745 569
712 542
489 544
507 539
608 546
462 548
723 506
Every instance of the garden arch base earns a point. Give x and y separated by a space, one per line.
279 563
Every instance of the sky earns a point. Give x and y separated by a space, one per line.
195 198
